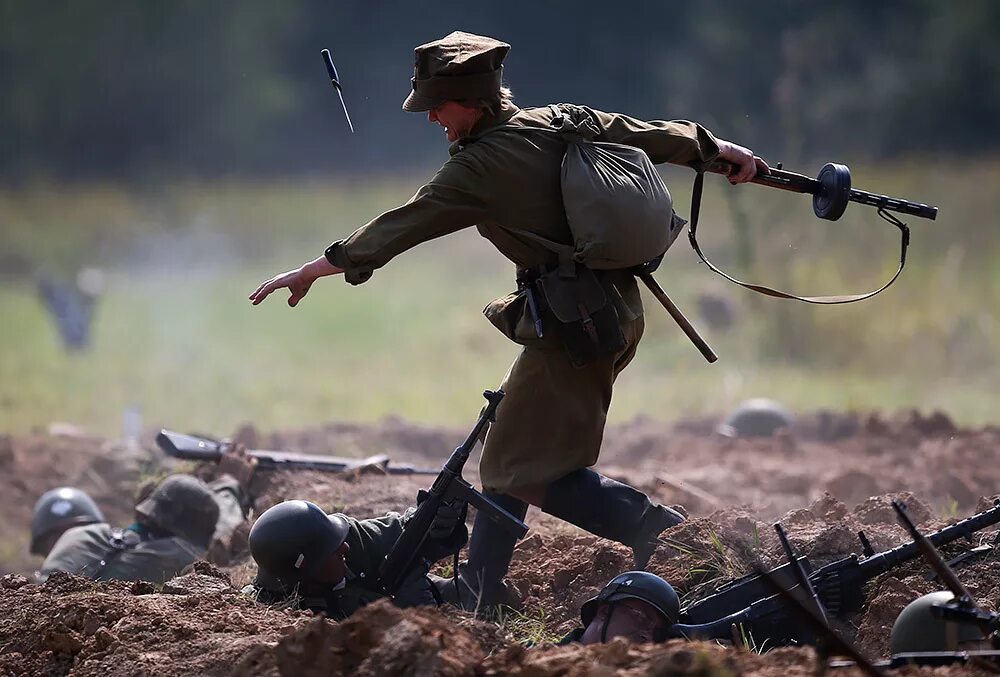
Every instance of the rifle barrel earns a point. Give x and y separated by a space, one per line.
883 561
893 204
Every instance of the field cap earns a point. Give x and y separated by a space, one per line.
457 67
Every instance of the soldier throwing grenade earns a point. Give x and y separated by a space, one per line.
550 425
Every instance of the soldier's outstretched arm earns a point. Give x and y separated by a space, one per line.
297 281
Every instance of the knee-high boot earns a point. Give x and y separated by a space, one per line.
611 510
481 578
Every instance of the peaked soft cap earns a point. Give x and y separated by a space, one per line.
459 66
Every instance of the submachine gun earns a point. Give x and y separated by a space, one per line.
194 448
450 488
839 589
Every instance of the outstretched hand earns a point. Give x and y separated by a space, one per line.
297 281
746 165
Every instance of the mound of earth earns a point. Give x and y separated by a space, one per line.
826 480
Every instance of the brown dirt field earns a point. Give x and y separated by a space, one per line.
819 479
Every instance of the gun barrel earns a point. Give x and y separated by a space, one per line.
799 183
883 561
893 204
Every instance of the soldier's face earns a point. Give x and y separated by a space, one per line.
335 568
630 619
456 118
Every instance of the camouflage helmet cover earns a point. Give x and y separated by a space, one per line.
184 506
59 509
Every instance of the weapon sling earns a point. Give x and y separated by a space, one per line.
904 230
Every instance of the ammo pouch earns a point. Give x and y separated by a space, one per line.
576 309
585 317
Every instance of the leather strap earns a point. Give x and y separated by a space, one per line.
904 230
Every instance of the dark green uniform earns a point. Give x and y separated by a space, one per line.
507 184
102 553
370 541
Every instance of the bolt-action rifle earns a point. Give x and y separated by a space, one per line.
193 448
839 587
451 489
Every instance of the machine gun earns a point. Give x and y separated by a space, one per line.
839 587
832 192
194 448
452 489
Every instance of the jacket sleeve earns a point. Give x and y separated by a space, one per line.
451 201
370 541
677 142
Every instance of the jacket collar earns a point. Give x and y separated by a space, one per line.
486 123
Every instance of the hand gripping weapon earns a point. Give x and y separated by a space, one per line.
192 448
451 488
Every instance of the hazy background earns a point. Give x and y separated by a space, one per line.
189 150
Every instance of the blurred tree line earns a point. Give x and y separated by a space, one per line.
140 90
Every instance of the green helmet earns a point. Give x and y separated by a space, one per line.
640 585
918 629
56 511
291 541
184 506
757 417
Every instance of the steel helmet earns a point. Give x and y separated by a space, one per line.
59 509
291 541
640 585
184 506
757 417
917 628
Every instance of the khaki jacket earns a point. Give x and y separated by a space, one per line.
508 183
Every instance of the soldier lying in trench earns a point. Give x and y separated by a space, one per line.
174 527
330 563
637 606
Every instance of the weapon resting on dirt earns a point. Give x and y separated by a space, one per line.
839 587
452 489
194 448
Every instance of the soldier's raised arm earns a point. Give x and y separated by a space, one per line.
678 142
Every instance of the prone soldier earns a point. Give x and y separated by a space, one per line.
174 526
637 606
504 178
331 564
56 511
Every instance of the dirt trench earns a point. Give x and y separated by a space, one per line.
826 480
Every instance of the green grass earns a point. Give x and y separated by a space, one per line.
176 337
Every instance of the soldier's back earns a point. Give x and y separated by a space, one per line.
102 553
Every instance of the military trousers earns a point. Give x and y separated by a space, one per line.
551 421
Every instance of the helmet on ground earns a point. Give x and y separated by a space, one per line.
59 509
917 628
757 417
292 541
640 585
184 506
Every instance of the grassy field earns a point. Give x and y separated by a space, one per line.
175 336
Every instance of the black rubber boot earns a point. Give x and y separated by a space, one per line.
611 510
481 587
